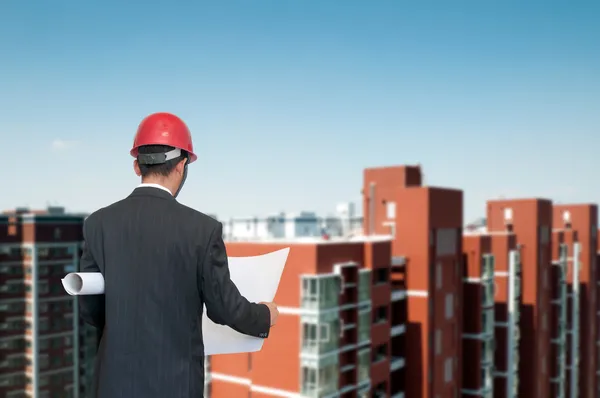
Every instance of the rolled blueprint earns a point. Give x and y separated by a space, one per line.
77 283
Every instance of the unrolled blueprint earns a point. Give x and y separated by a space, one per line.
257 279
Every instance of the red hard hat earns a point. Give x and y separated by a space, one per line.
164 129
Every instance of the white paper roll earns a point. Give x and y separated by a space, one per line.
77 283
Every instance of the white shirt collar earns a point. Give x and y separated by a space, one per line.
150 185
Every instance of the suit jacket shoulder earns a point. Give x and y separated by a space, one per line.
205 222
94 218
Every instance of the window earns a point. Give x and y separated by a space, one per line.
380 390
486 376
309 381
325 383
391 210
324 333
380 315
329 291
320 292
563 251
488 293
449 305
309 291
448 370
544 235
544 321
364 285
446 241
364 365
487 321
380 353
364 325
328 379
438 276
487 351
43 287
44 324
438 342
309 336
381 275
487 269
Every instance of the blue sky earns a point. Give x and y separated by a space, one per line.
289 100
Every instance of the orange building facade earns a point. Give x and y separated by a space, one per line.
372 316
426 228
336 335
417 309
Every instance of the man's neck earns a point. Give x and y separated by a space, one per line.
156 181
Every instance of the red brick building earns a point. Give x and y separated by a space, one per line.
507 293
580 225
559 326
44 350
397 335
426 228
531 222
336 335
478 323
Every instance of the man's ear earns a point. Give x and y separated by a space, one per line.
180 166
136 168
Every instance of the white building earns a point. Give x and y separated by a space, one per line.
294 225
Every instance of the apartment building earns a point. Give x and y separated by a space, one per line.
531 222
491 304
478 335
582 281
559 325
337 334
507 303
426 228
44 350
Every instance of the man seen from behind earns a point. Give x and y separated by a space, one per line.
161 262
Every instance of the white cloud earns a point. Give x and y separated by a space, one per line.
63 145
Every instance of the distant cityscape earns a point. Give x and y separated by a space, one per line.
396 298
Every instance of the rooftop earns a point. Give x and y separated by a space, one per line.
318 240
50 212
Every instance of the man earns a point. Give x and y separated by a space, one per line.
161 261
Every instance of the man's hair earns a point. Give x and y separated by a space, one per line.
163 169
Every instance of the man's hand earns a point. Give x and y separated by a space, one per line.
274 312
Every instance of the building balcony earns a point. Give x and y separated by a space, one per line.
397 330
397 363
398 294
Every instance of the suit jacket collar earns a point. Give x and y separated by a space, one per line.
152 192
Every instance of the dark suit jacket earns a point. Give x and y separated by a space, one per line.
161 261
